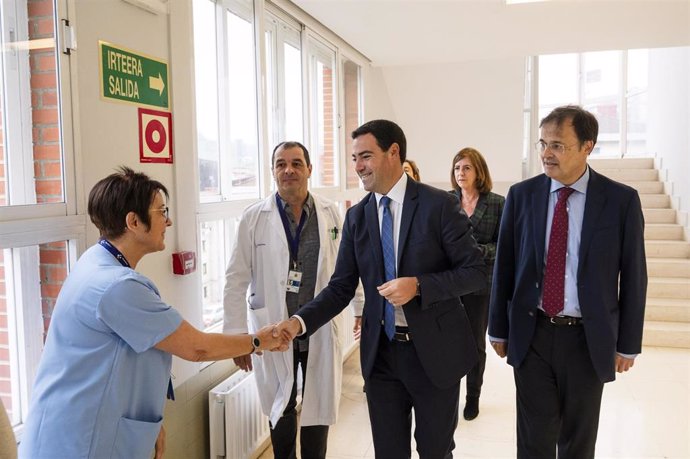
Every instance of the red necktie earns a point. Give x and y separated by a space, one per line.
554 274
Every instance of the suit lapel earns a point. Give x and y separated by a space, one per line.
480 209
594 206
372 219
540 203
409 209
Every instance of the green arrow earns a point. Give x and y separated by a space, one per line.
157 83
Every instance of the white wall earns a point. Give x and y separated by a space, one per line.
669 118
445 107
107 133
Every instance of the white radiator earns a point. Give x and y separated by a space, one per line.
237 425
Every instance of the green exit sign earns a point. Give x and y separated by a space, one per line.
132 77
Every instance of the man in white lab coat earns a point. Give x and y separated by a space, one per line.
284 254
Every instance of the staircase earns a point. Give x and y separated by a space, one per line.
667 317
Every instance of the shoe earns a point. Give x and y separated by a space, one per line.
471 410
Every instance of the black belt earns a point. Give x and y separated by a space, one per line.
560 320
401 334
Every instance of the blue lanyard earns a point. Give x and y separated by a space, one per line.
113 250
293 242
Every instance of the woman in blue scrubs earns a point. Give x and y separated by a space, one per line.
105 371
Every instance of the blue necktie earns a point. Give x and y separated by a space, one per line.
388 263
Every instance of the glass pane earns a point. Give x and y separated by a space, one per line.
206 92
637 94
323 138
351 83
213 264
601 89
271 106
240 169
30 147
294 127
558 82
30 280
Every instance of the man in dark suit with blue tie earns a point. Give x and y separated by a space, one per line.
414 252
568 298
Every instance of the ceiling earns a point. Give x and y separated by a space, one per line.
413 32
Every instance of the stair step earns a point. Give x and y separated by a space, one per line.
659 215
621 163
630 175
663 232
668 267
655 201
667 310
666 334
668 287
647 187
667 249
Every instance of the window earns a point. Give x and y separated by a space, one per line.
239 121
637 102
227 115
610 84
39 233
322 115
284 81
228 135
352 110
219 233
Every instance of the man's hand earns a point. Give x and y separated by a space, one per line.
288 329
160 444
244 362
357 329
270 341
623 364
501 348
399 291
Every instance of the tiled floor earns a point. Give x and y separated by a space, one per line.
645 413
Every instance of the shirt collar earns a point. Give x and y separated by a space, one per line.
580 185
397 193
308 205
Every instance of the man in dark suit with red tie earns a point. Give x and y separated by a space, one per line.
414 252
568 298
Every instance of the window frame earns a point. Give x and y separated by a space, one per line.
24 227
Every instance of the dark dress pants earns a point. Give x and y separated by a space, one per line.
313 439
398 384
558 395
477 309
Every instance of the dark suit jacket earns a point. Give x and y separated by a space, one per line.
485 221
436 245
611 245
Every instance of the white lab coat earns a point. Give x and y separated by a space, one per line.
255 287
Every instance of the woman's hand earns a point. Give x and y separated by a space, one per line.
269 342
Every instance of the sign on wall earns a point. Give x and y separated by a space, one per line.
132 77
155 136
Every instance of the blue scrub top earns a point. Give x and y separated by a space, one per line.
101 385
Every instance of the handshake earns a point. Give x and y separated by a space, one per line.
273 337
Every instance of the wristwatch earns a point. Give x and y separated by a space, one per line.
256 343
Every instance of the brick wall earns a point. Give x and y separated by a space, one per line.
327 171
352 108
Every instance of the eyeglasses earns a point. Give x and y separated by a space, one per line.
165 210
555 147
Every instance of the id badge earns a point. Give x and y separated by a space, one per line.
294 280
